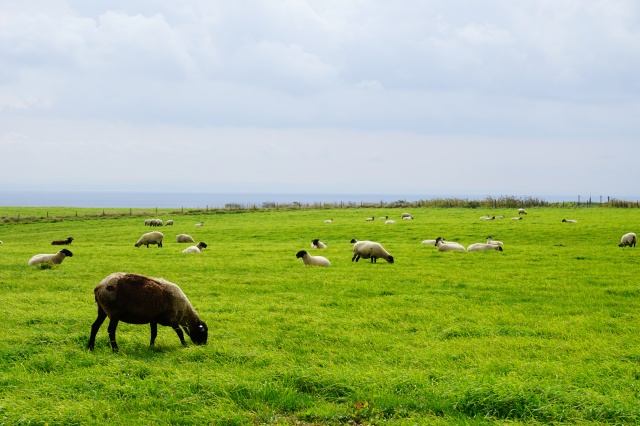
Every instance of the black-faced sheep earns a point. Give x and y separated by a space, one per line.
370 219
307 259
328 221
137 299
318 244
154 237
184 238
483 247
195 249
569 221
449 246
494 242
370 250
407 215
62 242
521 211
52 259
629 239
390 222
199 224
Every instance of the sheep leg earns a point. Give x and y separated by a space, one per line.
102 315
180 334
356 257
113 324
154 332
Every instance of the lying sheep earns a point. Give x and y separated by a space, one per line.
494 242
307 259
521 211
383 218
489 218
370 250
369 219
137 299
318 244
195 249
390 222
433 242
442 246
483 247
629 239
169 222
328 221
184 238
569 221
499 217
154 237
407 215
52 259
199 224
408 218
516 218
62 242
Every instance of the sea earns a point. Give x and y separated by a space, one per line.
124 199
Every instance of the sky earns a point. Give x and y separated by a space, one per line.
500 97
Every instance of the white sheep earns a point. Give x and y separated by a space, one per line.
499 217
154 237
494 242
429 242
407 215
369 219
195 249
442 246
489 218
370 250
483 246
383 218
52 259
199 224
307 259
516 218
137 299
629 239
184 238
318 244
522 211
328 221
569 221
390 222
169 222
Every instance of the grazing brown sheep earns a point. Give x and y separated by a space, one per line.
61 242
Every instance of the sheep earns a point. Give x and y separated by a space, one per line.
147 222
407 215
521 211
52 259
372 250
407 218
184 238
62 242
199 224
328 221
428 242
307 259
516 218
195 249
390 222
499 217
494 242
369 219
138 299
629 239
154 237
383 218
153 222
569 221
169 222
483 246
442 246
318 244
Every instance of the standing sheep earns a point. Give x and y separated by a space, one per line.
62 242
318 244
629 239
195 249
521 211
184 238
52 259
307 259
137 299
154 237
169 222
370 250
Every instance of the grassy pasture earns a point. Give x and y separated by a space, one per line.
545 332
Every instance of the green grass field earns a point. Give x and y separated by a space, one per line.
546 331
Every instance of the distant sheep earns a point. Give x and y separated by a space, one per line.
328 221
199 224
383 218
370 219
62 242
442 246
137 299
318 244
516 218
407 218
499 217
494 242
407 215
154 237
153 222
370 250
569 221
489 218
483 247
52 259
184 238
433 242
195 249
629 239
390 222
307 259
169 222
522 211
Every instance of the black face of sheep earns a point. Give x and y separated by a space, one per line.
300 254
67 253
